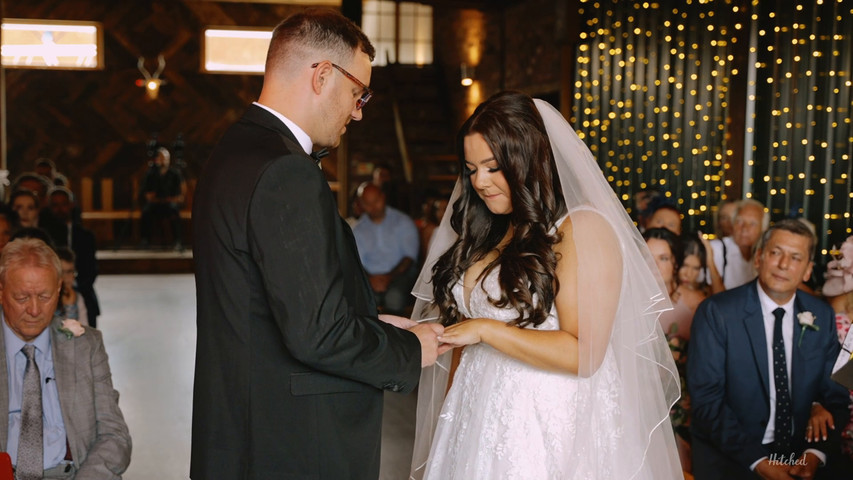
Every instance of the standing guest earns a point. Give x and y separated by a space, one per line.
63 416
733 264
66 232
759 363
291 359
25 203
388 245
164 190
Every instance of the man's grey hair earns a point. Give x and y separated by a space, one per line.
751 202
28 252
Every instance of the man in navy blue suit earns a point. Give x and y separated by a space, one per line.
754 384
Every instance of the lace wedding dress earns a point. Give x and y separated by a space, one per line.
505 419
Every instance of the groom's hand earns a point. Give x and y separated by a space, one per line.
427 334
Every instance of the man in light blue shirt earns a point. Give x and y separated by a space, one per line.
388 245
54 427
64 402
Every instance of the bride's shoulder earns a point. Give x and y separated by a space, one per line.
585 219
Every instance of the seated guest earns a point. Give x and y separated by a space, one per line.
724 217
733 265
63 415
759 364
66 231
387 241
72 305
47 169
163 190
35 183
691 258
8 224
838 291
26 203
641 211
664 215
675 323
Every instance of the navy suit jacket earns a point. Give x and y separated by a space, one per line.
728 379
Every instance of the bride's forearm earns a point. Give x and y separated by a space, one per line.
554 350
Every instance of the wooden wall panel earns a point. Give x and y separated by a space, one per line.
97 124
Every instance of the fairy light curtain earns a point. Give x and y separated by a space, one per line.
653 91
803 142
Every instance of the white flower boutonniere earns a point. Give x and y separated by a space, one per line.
806 320
71 328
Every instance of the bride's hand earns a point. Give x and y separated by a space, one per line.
466 332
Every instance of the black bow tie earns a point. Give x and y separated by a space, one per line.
319 154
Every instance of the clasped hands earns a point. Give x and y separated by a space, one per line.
434 339
820 422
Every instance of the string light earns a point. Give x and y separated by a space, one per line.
670 101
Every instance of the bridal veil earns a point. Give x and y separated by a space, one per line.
646 369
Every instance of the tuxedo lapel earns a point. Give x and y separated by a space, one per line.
753 322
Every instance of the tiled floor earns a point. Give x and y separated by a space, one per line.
148 323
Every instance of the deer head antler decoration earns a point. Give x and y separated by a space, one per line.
151 81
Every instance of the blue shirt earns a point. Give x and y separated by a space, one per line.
16 362
382 246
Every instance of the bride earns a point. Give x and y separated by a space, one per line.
550 299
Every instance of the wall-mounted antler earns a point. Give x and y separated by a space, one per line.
152 81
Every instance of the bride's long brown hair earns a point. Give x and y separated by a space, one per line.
513 129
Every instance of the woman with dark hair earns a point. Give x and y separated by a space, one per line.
559 368
692 260
26 204
666 249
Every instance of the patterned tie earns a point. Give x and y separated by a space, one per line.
783 397
30 447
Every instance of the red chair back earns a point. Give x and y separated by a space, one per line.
6 472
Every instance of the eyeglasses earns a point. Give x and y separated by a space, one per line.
365 97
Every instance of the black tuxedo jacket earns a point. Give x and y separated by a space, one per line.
728 378
291 361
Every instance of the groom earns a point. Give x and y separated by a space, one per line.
755 370
291 360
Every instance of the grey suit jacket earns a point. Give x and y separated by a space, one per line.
97 434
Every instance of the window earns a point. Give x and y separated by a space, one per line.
382 20
56 44
235 50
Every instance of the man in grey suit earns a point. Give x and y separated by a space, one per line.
54 376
